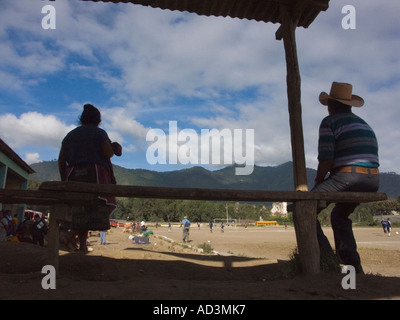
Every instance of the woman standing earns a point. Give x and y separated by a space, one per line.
85 156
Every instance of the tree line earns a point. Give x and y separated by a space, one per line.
166 210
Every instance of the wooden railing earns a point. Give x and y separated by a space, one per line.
63 195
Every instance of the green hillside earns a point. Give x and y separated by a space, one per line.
263 178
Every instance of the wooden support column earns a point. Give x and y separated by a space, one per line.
305 212
305 222
294 99
60 212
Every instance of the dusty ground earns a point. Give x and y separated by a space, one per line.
248 264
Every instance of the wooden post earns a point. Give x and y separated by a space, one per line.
53 239
60 212
304 211
305 223
294 99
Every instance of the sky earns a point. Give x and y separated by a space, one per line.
165 82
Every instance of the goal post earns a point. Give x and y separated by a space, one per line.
230 221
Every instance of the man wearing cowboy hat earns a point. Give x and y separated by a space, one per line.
348 151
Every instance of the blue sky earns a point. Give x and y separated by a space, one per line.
145 67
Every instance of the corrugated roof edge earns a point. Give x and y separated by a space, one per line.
258 10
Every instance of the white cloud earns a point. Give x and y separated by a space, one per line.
31 158
33 129
122 127
270 124
196 58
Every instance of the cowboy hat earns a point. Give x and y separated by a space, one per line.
341 92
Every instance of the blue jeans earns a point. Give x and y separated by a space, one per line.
345 243
102 237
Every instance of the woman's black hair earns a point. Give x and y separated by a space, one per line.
90 115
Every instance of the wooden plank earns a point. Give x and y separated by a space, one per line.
208 194
40 197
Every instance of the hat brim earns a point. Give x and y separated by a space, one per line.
356 101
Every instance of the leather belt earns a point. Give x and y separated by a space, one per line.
356 169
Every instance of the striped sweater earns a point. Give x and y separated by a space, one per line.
347 140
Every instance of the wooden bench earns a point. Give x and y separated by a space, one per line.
63 195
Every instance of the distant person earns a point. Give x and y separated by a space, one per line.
211 226
103 237
24 230
3 227
15 223
384 225
11 223
348 151
85 156
186 228
389 226
39 230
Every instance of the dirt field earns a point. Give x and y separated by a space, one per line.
248 264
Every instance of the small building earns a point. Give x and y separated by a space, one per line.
14 174
279 209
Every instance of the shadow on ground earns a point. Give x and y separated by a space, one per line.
186 277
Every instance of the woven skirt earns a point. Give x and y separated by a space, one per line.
96 216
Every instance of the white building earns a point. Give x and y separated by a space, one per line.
279 209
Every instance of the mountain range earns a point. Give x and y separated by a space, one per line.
263 178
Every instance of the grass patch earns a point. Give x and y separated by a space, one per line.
206 247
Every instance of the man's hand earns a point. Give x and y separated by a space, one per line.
323 168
